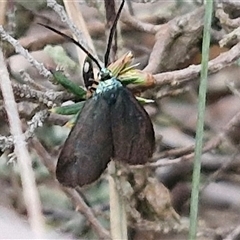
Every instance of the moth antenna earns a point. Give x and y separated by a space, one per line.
75 42
112 31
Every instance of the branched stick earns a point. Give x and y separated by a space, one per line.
188 74
82 207
19 49
78 202
36 121
79 35
73 11
49 98
30 193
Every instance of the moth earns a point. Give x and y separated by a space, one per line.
111 125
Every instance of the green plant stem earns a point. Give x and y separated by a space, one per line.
118 219
200 121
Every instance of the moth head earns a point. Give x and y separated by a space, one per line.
105 74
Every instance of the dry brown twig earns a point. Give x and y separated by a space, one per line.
76 199
233 3
174 40
171 33
233 235
73 11
225 20
3 7
188 152
30 192
192 72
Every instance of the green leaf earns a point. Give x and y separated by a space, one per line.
69 109
69 85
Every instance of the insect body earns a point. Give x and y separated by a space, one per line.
111 125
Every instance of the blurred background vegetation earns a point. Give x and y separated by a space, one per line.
164 36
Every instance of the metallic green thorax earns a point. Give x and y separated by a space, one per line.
107 83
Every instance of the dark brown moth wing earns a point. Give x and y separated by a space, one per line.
132 129
88 148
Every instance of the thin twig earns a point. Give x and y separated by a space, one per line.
118 217
30 193
19 49
78 202
64 17
234 235
192 72
83 208
3 7
74 13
